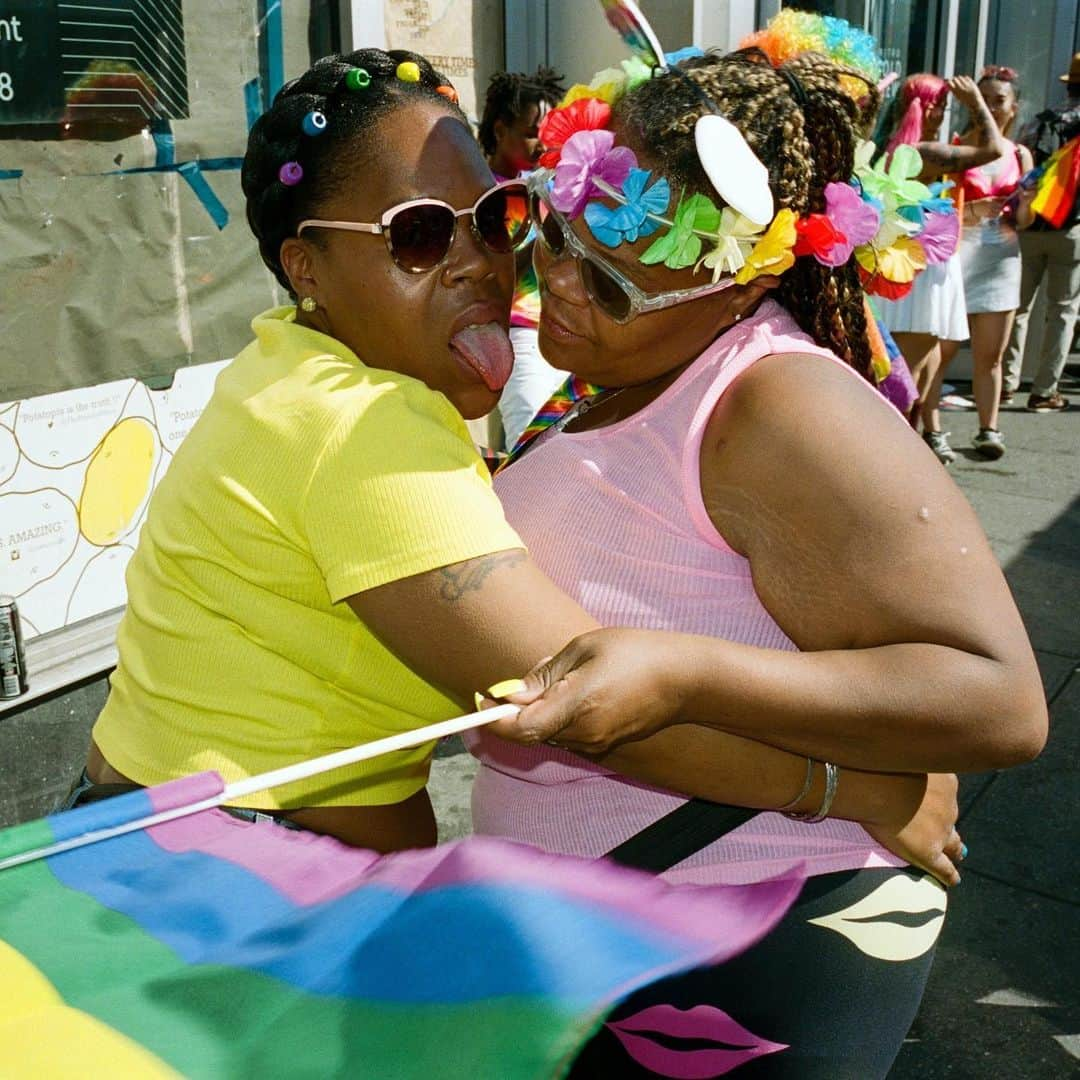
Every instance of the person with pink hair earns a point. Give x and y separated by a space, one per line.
933 311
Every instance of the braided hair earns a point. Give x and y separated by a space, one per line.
329 159
509 94
805 144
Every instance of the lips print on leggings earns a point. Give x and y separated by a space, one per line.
712 1042
898 921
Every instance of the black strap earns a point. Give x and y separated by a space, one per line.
678 835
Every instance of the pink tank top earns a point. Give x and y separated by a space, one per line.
615 517
997 177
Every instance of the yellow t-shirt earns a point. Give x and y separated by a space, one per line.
308 478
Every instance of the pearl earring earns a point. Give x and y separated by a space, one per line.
308 304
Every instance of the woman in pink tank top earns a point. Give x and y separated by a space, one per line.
741 486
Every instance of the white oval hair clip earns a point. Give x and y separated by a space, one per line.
733 168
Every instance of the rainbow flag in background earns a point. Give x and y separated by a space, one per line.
1058 184
212 947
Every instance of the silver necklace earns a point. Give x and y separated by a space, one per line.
584 405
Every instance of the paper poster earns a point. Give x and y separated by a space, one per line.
76 473
463 39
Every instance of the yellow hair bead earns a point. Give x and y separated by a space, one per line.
408 71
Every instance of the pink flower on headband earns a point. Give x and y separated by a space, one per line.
939 236
857 220
589 156
559 125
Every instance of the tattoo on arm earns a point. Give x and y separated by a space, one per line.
469 577
944 157
983 122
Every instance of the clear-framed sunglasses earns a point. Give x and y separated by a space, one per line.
619 298
420 232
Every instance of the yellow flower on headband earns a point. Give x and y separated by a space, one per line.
608 85
899 262
772 254
576 93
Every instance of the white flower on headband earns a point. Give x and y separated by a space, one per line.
737 237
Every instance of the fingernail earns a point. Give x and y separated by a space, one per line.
507 686
963 851
478 700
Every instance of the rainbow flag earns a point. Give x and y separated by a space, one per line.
1058 184
552 411
207 946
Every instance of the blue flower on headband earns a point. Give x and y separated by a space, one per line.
689 53
630 220
939 203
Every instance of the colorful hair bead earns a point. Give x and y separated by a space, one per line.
314 123
358 78
447 92
291 173
407 71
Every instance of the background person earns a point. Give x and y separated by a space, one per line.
994 209
514 106
1051 253
933 311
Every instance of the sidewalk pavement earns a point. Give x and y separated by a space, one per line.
1004 997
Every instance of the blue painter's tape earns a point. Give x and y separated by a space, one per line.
252 102
191 172
220 164
275 50
164 142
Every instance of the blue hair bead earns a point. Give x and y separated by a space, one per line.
314 123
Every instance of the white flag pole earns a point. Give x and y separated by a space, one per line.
300 771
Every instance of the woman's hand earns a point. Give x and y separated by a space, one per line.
919 825
984 209
966 91
606 687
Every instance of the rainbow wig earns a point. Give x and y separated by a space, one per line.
792 33
917 94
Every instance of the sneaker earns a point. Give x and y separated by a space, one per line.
1054 403
1006 397
938 441
990 443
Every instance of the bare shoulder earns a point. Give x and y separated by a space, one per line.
789 400
799 432
853 530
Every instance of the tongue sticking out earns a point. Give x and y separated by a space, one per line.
487 350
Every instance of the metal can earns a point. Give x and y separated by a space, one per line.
13 681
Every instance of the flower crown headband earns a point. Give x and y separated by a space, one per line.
894 225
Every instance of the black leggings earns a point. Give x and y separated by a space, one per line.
829 995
